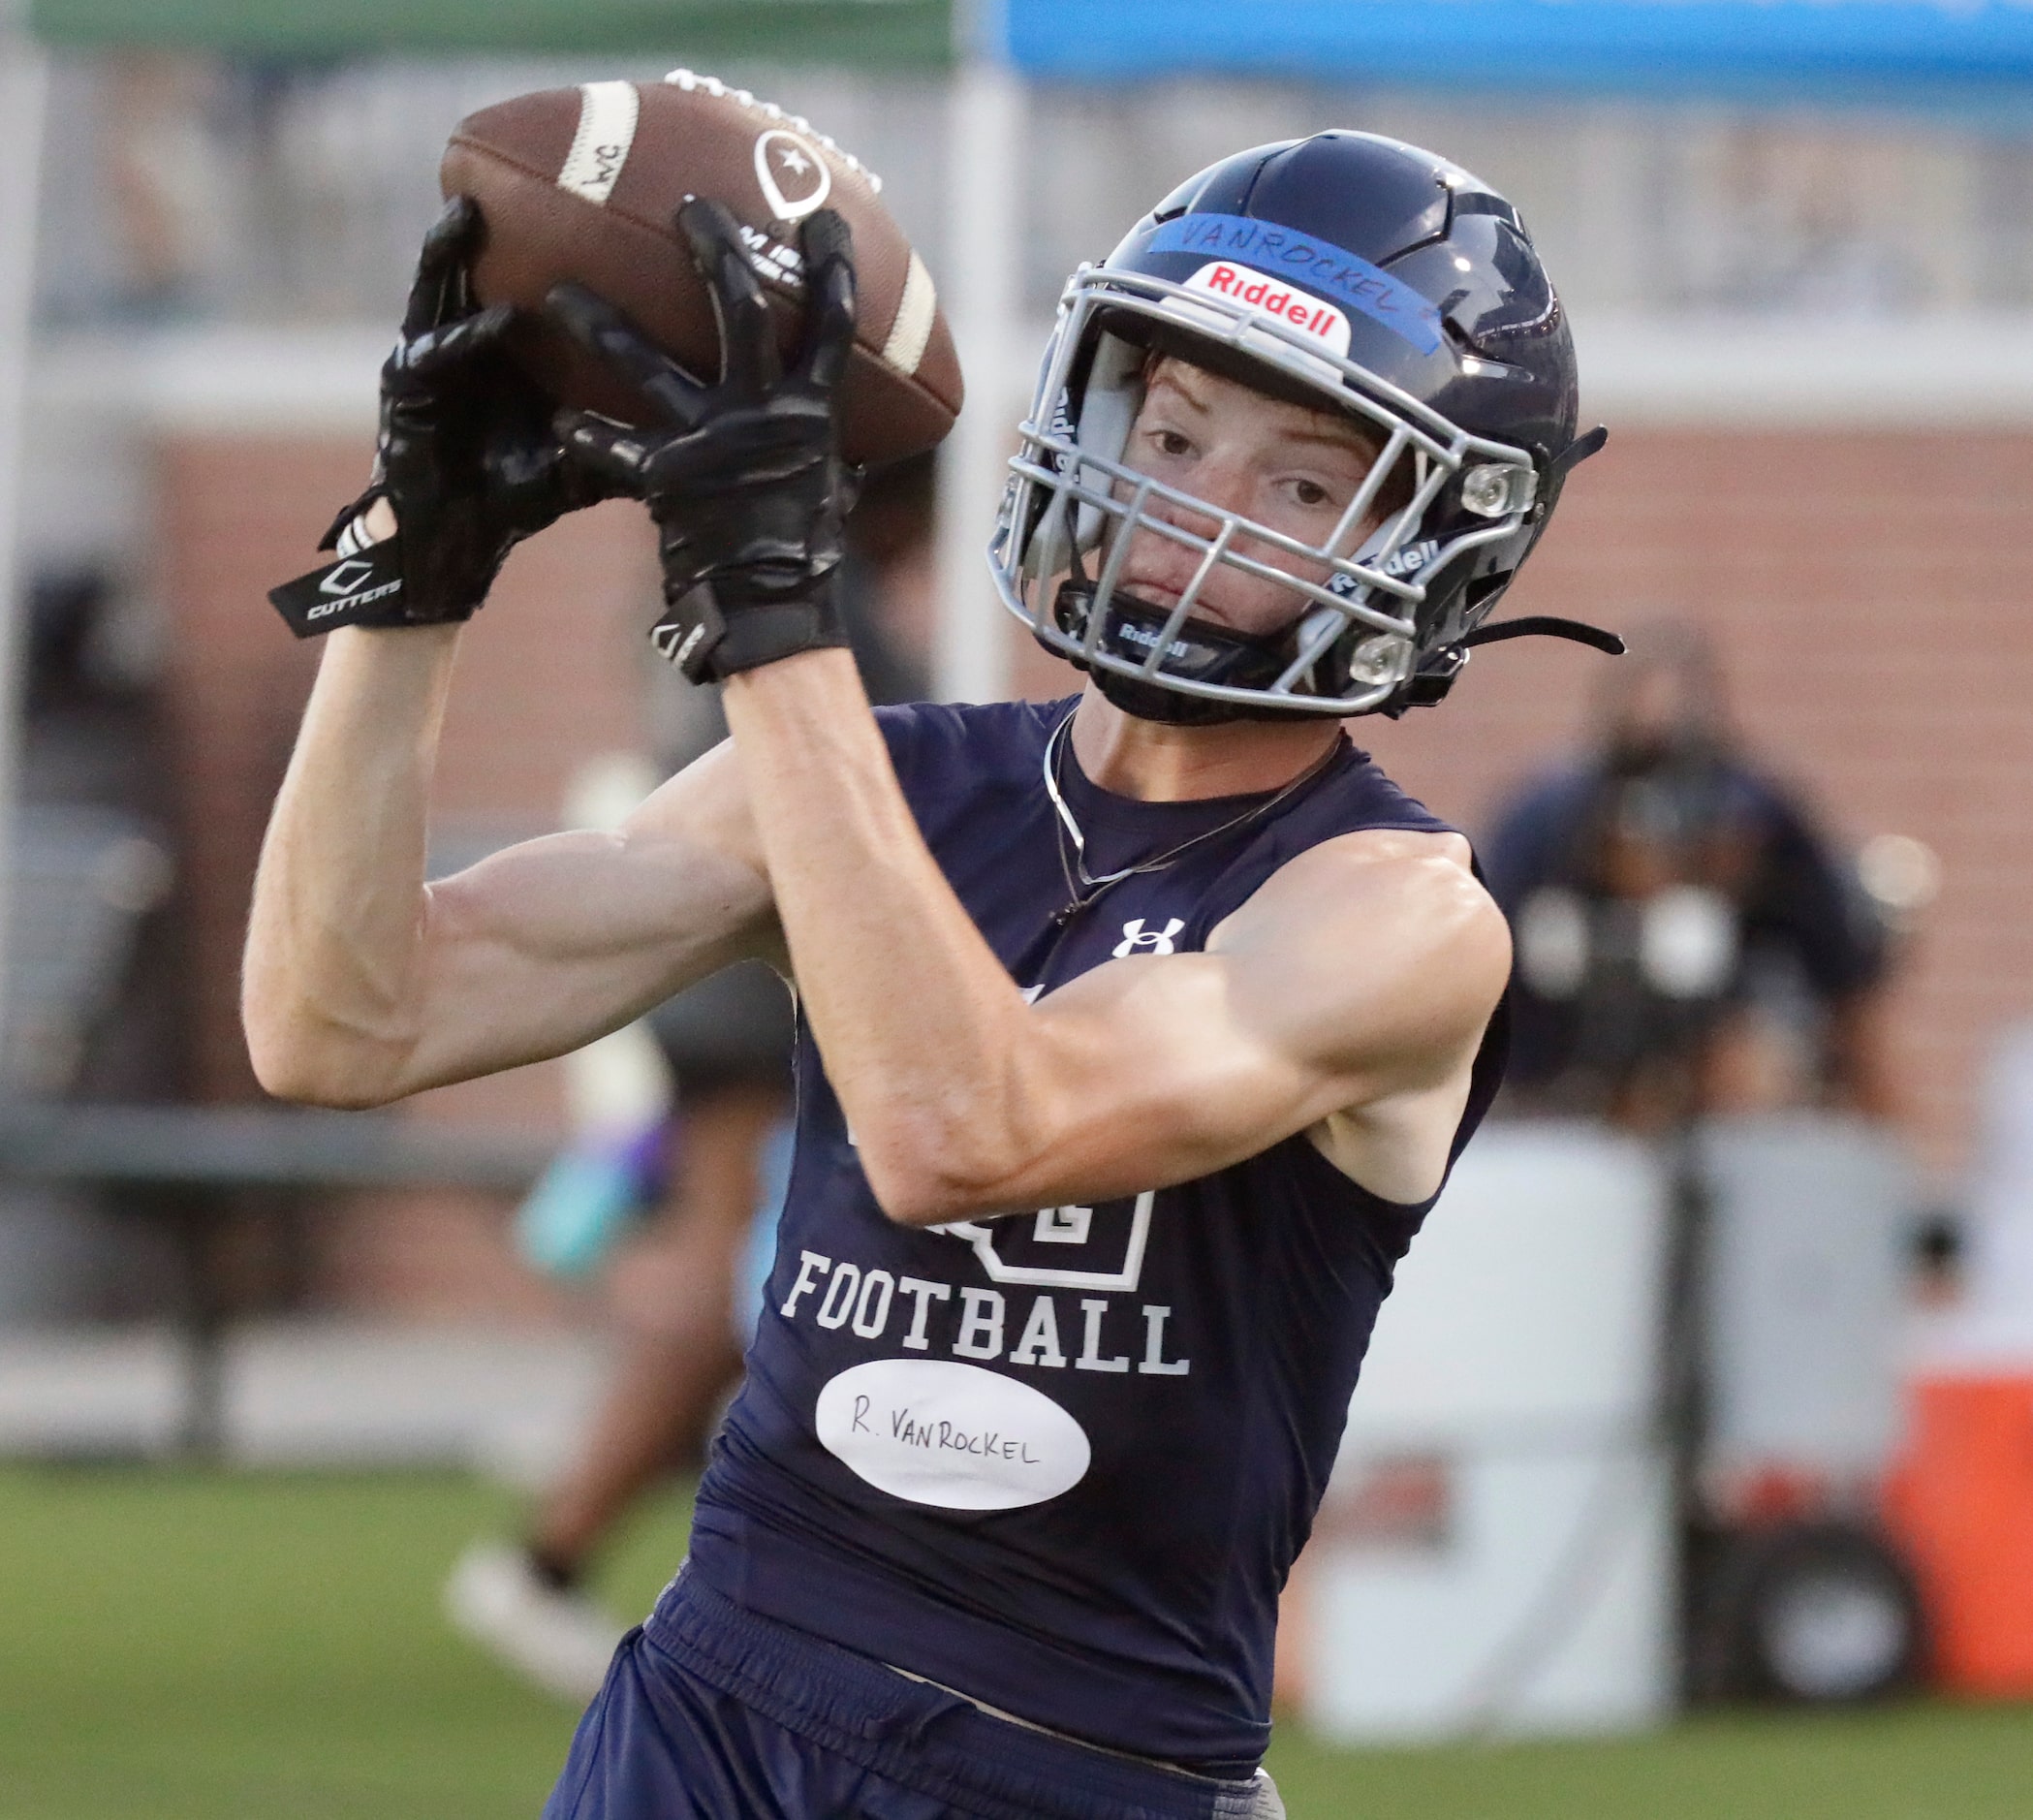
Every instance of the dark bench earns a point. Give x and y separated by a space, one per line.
188 1167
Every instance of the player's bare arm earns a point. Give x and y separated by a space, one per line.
363 983
1350 992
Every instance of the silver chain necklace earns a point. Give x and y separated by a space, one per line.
1086 888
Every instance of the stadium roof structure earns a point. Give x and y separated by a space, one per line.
892 31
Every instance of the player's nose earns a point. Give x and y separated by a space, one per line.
1214 494
1223 480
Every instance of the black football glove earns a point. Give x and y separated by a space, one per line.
466 456
743 478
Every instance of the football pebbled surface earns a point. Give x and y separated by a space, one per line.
584 184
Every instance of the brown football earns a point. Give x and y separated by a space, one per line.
583 184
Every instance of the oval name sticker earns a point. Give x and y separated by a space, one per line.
935 1431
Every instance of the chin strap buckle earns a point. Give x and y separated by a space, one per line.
1576 451
1436 673
1546 626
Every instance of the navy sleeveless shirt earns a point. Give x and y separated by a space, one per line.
1061 1462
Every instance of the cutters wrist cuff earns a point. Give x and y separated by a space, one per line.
358 590
364 588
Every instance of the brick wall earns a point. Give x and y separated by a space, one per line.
1864 590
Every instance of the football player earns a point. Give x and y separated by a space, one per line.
1139 1030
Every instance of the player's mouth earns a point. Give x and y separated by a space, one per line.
1166 595
1157 593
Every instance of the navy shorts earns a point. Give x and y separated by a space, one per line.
710 1712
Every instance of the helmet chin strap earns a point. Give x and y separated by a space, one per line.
1201 652
1547 626
1149 701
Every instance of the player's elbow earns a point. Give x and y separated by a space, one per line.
910 1194
928 1177
295 1062
958 1147
305 1080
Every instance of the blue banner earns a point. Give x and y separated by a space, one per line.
1903 51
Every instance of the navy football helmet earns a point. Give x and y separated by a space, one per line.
1347 273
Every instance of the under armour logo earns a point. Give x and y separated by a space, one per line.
1136 937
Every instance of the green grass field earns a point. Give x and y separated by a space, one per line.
248 1648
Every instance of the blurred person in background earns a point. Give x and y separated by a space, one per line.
1687 939
687 1305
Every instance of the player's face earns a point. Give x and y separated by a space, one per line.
1280 464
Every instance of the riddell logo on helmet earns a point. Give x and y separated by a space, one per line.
1296 309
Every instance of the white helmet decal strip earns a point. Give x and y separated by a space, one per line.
1266 296
1313 262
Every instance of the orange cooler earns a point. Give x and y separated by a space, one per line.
1962 1501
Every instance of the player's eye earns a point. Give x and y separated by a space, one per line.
1309 493
1169 442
